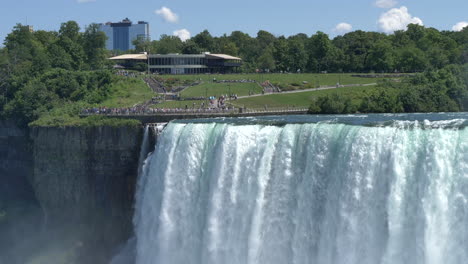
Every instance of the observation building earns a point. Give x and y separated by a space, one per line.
185 63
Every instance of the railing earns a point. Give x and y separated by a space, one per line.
190 111
156 111
274 110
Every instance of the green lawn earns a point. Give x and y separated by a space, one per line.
217 89
284 79
179 104
127 92
301 99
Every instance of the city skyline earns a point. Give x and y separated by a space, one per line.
186 19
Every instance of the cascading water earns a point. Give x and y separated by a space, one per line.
325 193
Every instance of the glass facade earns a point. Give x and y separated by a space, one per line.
120 36
177 61
191 64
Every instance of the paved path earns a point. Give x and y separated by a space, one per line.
310 90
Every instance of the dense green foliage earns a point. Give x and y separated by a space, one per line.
444 90
55 74
414 50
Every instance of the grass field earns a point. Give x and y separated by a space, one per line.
283 79
127 92
301 99
180 104
217 89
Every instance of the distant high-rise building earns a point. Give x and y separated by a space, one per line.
120 35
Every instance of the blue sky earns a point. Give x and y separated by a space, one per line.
286 17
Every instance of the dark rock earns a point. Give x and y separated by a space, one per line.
84 179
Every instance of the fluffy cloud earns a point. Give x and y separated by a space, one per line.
183 34
342 28
386 3
459 26
397 19
85 1
167 15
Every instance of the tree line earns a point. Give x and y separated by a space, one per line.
43 69
442 90
413 50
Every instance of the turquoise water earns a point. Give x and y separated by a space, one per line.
306 189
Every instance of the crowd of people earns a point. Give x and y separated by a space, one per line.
144 110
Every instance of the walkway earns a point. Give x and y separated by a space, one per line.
310 90
172 114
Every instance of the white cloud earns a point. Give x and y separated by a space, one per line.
459 26
85 1
342 28
167 15
397 19
386 3
183 34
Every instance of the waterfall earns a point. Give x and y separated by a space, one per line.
325 193
126 254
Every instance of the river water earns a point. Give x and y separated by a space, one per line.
356 189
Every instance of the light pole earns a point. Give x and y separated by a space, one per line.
148 62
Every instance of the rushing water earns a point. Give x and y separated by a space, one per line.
327 190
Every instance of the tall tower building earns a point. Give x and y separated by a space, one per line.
120 35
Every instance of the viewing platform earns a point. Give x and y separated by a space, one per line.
168 115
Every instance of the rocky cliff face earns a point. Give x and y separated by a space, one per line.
20 214
84 179
66 194
15 163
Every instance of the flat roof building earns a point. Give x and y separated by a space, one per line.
120 35
184 63
193 63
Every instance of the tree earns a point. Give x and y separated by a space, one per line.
265 39
411 59
356 46
333 104
30 101
381 57
280 51
415 32
296 56
204 40
381 101
230 48
169 44
19 45
142 45
190 47
94 42
248 48
318 47
70 30
71 41
59 58
266 61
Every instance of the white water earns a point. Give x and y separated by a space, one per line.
310 193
